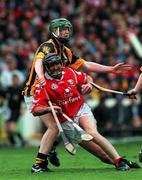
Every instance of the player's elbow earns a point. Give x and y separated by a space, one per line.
35 113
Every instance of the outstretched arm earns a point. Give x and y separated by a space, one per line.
95 67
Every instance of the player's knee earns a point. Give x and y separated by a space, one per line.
93 133
53 128
55 132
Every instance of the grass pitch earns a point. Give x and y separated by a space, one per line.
15 164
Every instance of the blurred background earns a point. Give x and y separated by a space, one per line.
99 34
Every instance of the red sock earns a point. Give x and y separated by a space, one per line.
116 161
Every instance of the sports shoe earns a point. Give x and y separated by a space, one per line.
52 156
122 165
140 156
39 168
131 164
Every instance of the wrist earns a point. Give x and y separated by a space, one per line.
112 70
91 86
40 76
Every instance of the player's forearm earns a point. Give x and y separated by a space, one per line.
138 86
39 111
39 68
95 67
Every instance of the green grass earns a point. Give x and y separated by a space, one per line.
15 164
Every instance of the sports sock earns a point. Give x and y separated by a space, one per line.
116 161
41 159
11 139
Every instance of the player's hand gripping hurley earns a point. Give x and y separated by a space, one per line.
69 147
110 90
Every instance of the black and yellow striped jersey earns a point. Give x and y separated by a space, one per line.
50 46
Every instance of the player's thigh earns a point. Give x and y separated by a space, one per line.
88 123
48 120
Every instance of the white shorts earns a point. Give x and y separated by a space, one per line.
29 102
72 134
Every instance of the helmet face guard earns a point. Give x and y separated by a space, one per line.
59 24
50 61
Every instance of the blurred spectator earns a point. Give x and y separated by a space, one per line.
15 99
6 75
4 116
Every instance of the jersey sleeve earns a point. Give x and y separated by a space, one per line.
78 63
39 97
44 49
80 77
75 62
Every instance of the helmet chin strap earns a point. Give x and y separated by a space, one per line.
58 33
54 35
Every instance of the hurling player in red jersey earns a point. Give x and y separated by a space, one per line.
62 87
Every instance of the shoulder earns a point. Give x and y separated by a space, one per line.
68 69
46 47
68 50
69 72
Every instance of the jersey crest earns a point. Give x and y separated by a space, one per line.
54 86
71 82
46 50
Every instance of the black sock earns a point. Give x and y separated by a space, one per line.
41 159
15 138
42 156
11 139
19 139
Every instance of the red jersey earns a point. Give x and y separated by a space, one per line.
63 92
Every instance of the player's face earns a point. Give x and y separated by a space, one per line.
65 33
56 70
